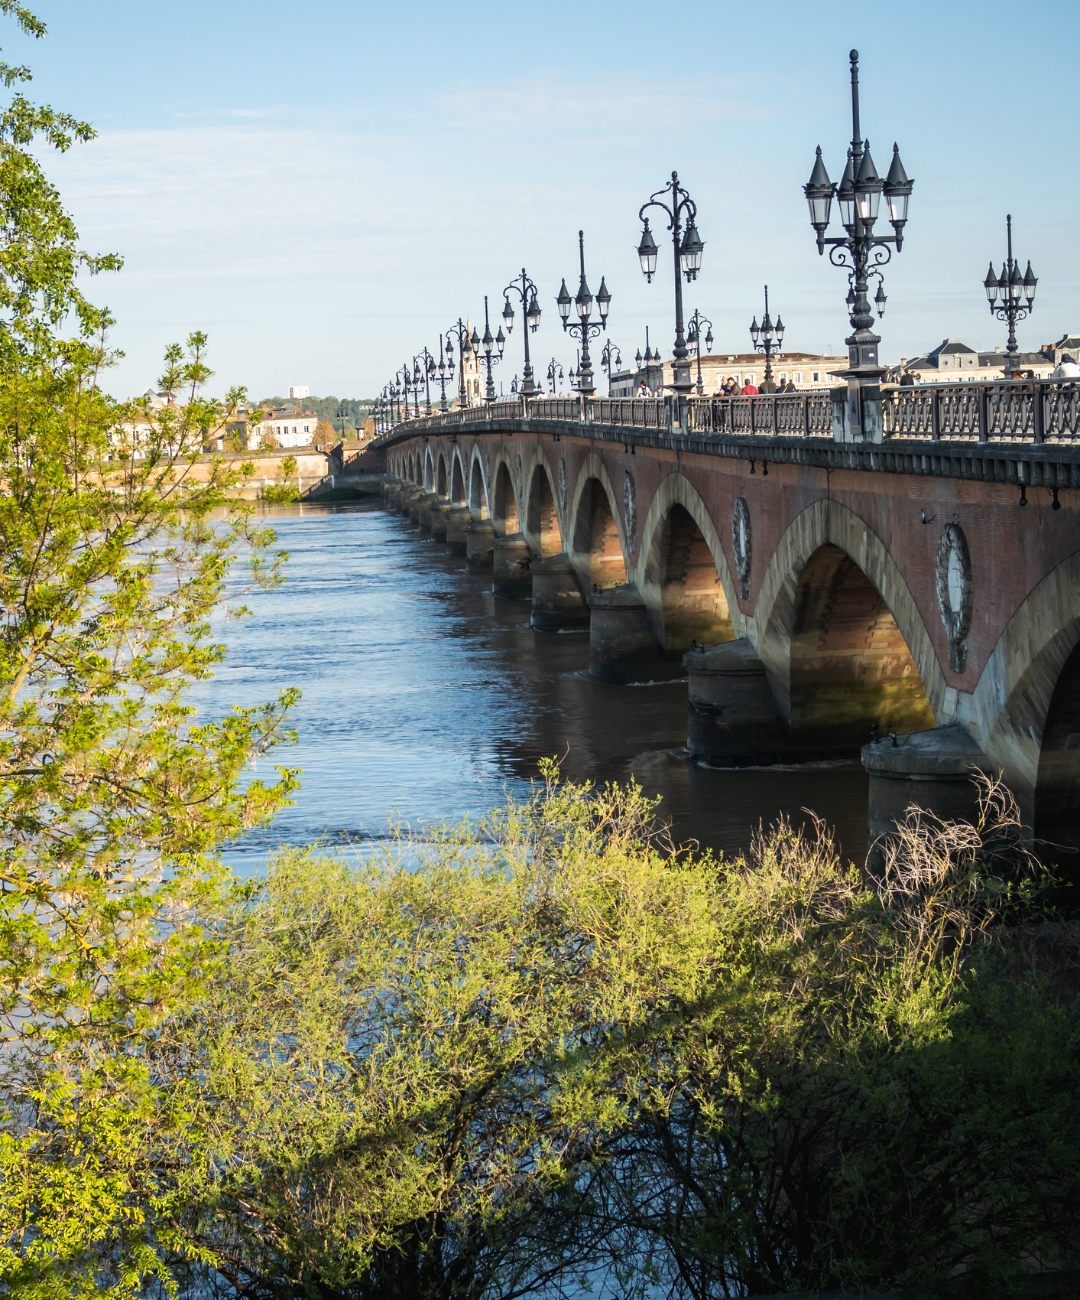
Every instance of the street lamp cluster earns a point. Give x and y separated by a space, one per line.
767 338
863 250
1011 296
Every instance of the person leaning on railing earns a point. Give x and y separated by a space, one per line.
1066 368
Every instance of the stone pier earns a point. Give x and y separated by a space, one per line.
510 563
622 645
732 719
557 602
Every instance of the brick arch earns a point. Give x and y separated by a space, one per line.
503 506
784 612
658 582
1027 666
457 478
544 529
479 499
597 538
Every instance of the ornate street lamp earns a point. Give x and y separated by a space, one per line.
650 359
404 381
610 361
443 373
768 338
693 338
415 379
426 363
687 247
526 292
584 328
860 252
343 415
489 344
554 374
459 331
1011 296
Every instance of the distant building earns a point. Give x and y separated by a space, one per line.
299 391
284 427
803 369
953 362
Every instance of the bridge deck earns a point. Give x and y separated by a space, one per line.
1024 433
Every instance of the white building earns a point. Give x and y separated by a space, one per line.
299 391
283 429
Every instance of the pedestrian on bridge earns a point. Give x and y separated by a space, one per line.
1066 368
749 388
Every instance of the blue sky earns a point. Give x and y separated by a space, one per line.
324 187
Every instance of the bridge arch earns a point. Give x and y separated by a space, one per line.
1025 709
597 539
502 499
457 479
478 492
440 475
543 528
429 471
840 635
684 574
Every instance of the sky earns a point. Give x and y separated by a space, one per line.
323 188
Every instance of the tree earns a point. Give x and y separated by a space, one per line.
113 798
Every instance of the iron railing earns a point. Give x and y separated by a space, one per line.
783 415
1021 411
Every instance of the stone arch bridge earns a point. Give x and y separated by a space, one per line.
916 599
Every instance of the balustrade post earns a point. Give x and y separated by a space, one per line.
806 415
935 415
1038 411
775 427
984 414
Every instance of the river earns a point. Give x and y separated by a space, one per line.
424 699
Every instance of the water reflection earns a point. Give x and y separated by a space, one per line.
424 698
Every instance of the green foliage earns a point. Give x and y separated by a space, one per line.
501 1059
406 1063
286 491
875 1093
326 408
113 800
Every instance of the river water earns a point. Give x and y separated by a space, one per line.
424 699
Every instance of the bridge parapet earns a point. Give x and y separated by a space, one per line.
1029 412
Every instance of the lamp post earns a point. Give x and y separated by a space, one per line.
687 246
343 415
489 344
1011 296
426 363
412 380
445 370
693 336
526 292
459 331
767 338
610 361
554 374
584 328
403 379
650 359
862 254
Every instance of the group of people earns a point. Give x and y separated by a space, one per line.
730 387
